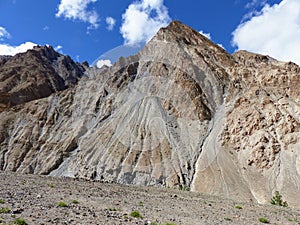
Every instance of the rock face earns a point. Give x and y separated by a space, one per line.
35 74
182 112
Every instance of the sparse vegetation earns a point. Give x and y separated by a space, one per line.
238 207
169 224
277 200
75 201
184 188
62 204
114 209
2 201
153 223
136 214
51 185
5 210
263 220
141 203
19 221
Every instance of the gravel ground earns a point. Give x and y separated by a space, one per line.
39 200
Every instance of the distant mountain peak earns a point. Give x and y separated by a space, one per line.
35 74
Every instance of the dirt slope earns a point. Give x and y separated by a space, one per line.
35 198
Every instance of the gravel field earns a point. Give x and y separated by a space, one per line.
48 200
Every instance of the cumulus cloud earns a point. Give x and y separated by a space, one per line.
78 9
59 48
207 35
142 19
3 33
110 23
274 31
13 50
106 62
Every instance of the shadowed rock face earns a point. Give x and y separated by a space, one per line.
182 112
35 74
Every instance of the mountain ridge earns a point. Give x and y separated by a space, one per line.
20 83
182 112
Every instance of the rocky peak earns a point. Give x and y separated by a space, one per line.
187 37
36 74
46 51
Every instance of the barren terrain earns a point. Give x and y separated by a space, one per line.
36 199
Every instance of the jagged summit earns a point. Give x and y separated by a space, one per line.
177 32
182 112
35 74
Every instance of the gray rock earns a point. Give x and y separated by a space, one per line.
181 113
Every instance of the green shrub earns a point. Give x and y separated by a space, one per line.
238 207
5 210
136 214
153 223
62 204
184 188
75 201
19 221
263 220
51 185
2 201
277 200
169 223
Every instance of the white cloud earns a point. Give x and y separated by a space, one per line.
142 19
13 50
3 33
255 3
58 48
207 35
106 62
78 9
274 31
110 23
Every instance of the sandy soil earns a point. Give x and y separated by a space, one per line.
36 200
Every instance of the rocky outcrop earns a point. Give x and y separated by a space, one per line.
35 74
256 133
182 112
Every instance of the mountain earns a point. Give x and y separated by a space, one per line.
181 113
36 74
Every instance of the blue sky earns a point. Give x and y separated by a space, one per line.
85 29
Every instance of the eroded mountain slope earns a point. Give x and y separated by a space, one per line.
182 112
